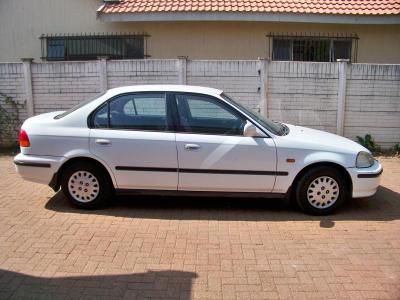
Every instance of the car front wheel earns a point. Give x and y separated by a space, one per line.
321 191
85 185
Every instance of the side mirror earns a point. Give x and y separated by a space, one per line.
250 130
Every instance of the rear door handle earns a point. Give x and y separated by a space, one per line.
192 147
103 142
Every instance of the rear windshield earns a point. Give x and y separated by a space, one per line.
78 106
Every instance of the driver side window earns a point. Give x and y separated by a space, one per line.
206 115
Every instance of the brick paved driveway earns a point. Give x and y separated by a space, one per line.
196 248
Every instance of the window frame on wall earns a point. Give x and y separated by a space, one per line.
315 47
91 46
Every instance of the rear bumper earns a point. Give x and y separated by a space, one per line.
39 169
366 180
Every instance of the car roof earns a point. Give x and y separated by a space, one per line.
164 88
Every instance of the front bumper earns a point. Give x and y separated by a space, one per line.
366 180
39 169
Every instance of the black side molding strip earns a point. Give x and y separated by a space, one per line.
32 164
370 175
151 169
239 172
202 171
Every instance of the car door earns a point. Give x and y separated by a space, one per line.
131 134
213 154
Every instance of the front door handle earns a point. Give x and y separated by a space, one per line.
190 147
103 142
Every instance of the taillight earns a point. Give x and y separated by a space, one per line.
24 139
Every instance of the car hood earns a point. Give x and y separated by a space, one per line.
308 138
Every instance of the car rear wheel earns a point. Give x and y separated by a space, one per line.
85 185
321 191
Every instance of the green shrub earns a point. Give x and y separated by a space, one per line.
368 142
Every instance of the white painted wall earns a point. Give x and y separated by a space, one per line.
373 102
239 79
296 92
304 93
59 86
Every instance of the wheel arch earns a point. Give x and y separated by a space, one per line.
55 182
340 168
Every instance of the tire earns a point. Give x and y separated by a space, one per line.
320 191
86 186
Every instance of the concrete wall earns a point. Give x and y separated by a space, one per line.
373 102
120 73
304 93
59 86
293 92
23 21
12 97
239 79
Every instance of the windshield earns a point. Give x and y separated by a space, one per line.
275 127
76 107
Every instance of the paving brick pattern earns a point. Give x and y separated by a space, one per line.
180 248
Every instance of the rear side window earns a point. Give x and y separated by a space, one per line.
100 119
145 111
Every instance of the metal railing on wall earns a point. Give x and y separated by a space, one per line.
317 47
71 47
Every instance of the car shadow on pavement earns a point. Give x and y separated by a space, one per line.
152 284
383 206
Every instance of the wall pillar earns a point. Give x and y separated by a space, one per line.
341 102
263 71
26 66
102 67
182 69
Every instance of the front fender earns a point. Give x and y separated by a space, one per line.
343 160
304 159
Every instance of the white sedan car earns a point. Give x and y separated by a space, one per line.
172 139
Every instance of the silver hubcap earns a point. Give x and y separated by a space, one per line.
323 192
83 186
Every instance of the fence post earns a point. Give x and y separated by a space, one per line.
341 102
26 66
182 69
102 68
263 72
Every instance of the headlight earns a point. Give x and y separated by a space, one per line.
364 160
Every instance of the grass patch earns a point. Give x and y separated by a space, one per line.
386 153
9 151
